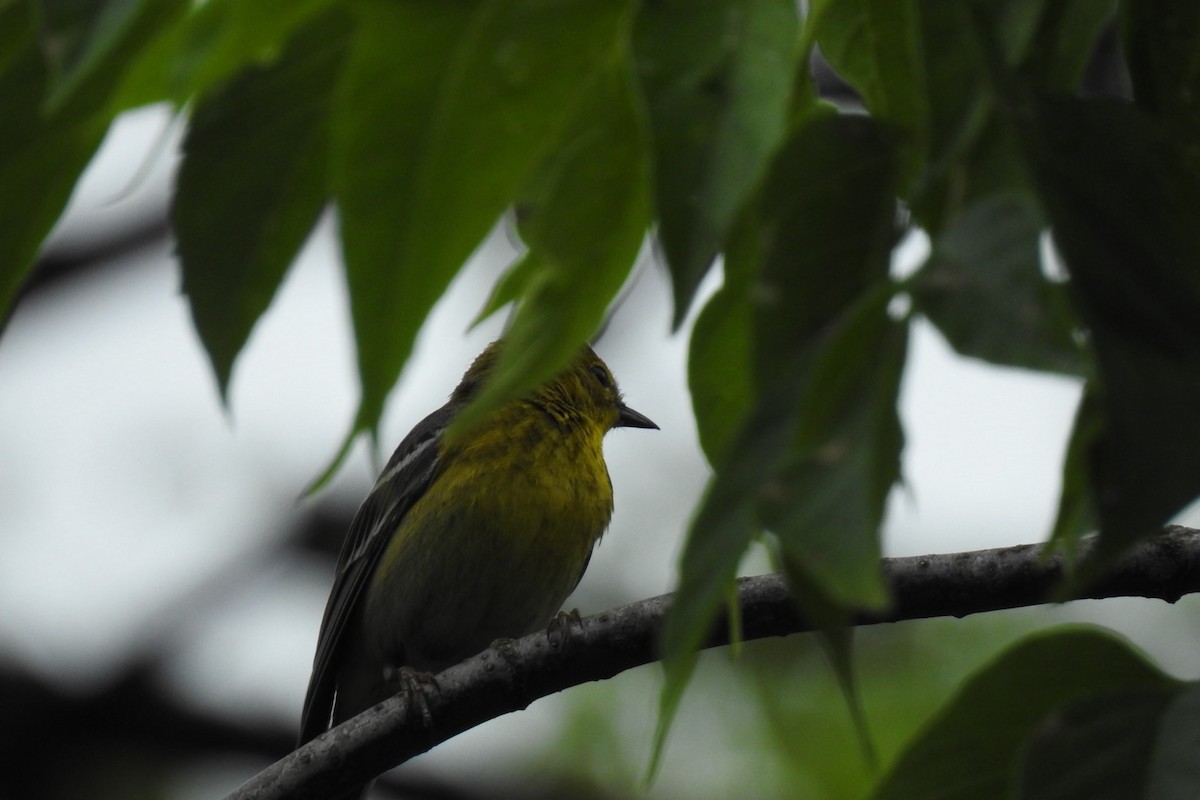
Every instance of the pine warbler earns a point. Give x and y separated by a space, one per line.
467 541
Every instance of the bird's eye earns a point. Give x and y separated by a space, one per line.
601 375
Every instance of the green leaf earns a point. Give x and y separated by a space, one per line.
876 46
89 43
444 110
252 183
44 145
1076 508
212 44
509 287
1064 42
1160 39
959 99
826 501
1175 763
971 749
972 151
983 287
832 623
822 244
1128 236
720 353
827 356
1099 749
716 78
583 217
41 155
719 376
224 37
1135 746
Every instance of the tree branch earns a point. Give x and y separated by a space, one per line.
511 675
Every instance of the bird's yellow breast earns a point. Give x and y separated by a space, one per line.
496 544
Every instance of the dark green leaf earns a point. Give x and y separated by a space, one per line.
226 36
876 46
583 218
828 227
1135 746
719 369
984 288
1175 763
83 41
444 110
959 98
252 184
826 501
835 632
822 244
1076 509
720 355
1128 235
1162 49
510 286
40 156
1064 42
214 42
716 78
971 749
44 146
1098 749
972 151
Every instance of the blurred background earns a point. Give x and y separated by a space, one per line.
162 582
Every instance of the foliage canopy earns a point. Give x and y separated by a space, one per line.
422 123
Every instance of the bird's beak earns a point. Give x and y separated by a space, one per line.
632 419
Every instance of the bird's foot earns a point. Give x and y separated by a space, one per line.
562 628
413 684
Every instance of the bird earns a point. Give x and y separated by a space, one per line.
467 539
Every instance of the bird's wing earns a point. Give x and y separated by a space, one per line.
407 476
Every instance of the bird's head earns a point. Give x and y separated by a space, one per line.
585 389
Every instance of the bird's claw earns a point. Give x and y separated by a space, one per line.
561 628
412 684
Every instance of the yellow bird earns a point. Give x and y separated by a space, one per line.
465 541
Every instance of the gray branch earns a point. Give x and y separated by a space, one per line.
509 676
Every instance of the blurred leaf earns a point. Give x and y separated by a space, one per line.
1160 39
1143 745
95 39
212 44
959 99
971 749
1128 236
876 46
1098 749
716 78
41 155
719 376
419 179
583 217
50 129
226 36
1175 763
837 636
984 288
1076 508
509 287
720 354
972 151
826 501
823 242
1064 42
252 184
